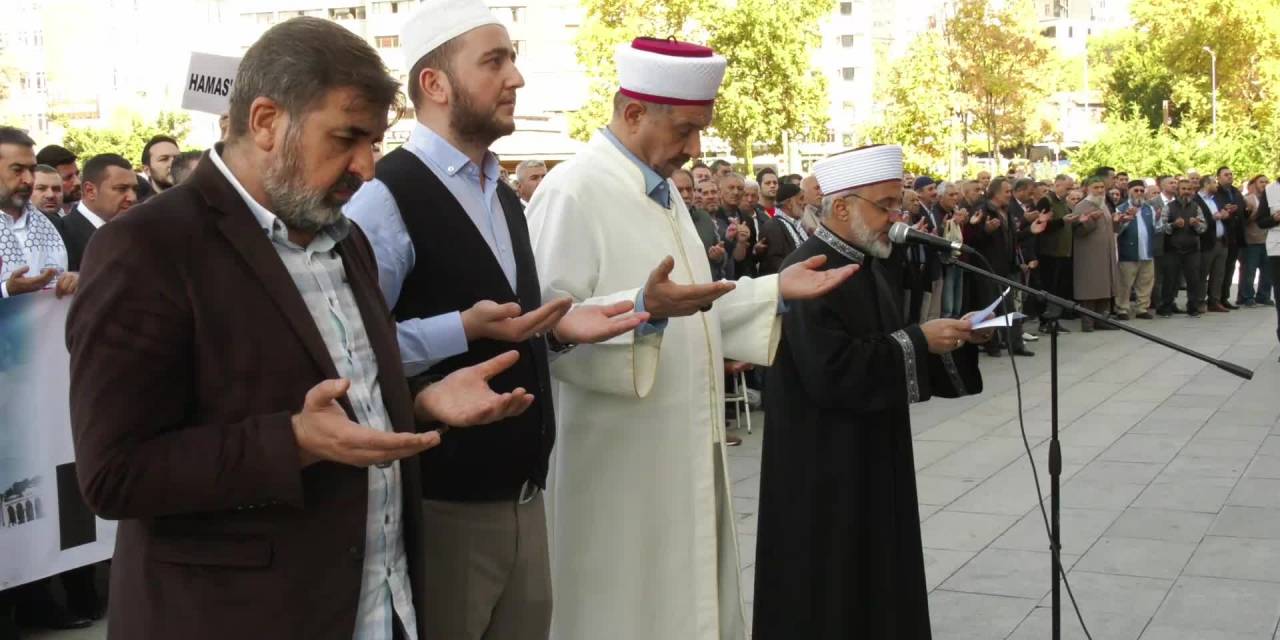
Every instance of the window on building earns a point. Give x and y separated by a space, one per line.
387 42
1071 32
289 15
849 74
262 17
347 13
849 41
846 140
1050 32
846 8
390 7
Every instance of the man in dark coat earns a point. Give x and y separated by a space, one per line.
839 552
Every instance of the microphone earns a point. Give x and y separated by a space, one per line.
903 233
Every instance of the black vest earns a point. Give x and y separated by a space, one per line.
453 269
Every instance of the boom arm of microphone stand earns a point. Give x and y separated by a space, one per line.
1230 367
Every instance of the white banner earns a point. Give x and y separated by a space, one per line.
44 524
208 83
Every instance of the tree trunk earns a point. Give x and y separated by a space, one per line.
748 159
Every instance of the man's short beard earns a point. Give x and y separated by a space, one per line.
470 123
298 206
877 245
1101 200
163 183
15 199
71 197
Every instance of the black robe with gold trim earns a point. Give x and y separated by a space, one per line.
838 553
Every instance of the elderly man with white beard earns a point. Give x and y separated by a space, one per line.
839 552
641 521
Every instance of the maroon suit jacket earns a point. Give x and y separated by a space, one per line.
190 350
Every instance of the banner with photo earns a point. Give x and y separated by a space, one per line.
44 524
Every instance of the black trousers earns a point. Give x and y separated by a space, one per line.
1274 263
1182 265
1055 277
1156 289
1232 267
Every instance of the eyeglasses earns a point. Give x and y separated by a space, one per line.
875 204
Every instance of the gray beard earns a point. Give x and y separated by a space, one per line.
1101 201
298 206
867 240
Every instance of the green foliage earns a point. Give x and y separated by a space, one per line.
1001 67
126 135
920 106
770 87
1128 143
610 23
1162 58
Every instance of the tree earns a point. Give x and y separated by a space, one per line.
1001 65
127 134
1164 59
610 23
920 105
770 87
1128 143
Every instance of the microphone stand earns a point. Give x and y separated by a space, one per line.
1054 307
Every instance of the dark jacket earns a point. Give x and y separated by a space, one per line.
76 232
1210 235
453 269
1186 239
1056 239
191 347
1128 237
998 247
1236 223
780 241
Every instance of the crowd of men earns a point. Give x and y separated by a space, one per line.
348 359
1121 247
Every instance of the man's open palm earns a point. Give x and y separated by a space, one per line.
803 280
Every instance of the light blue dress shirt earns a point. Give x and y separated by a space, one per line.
1213 210
426 341
658 190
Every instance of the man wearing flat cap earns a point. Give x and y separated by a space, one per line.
838 552
642 536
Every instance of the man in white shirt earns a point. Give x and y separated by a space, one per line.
32 254
110 188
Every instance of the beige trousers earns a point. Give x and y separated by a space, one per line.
488 572
1140 275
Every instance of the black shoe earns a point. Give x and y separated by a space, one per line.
1229 306
1106 327
1165 314
732 441
1193 314
1264 303
1122 317
1179 310
1145 315
995 353
1023 352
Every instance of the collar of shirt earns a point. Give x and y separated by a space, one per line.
92 217
654 185
271 224
21 223
430 147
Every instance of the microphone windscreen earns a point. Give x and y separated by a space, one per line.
898 233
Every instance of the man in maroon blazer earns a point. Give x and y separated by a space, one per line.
237 399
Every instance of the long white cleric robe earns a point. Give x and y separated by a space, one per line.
641 522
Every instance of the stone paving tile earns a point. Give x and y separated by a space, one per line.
1212 605
1090 494
957 430
940 564
1247 522
927 510
1221 448
969 616
959 531
978 459
1264 467
1240 558
927 452
1134 557
1111 626
1080 529
1187 494
1186 464
1256 492
1161 524
1108 471
1157 449
1006 572
938 490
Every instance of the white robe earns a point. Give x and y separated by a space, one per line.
640 519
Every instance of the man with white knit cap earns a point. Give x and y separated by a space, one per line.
838 546
457 270
642 534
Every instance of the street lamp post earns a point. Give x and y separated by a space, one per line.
1213 74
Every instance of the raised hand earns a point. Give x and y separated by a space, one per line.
716 252
19 284
588 323
803 280
503 322
761 247
324 432
464 398
666 299
67 284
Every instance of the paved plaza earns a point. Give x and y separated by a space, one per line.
1171 490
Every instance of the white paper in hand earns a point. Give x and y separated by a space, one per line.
982 316
1002 322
